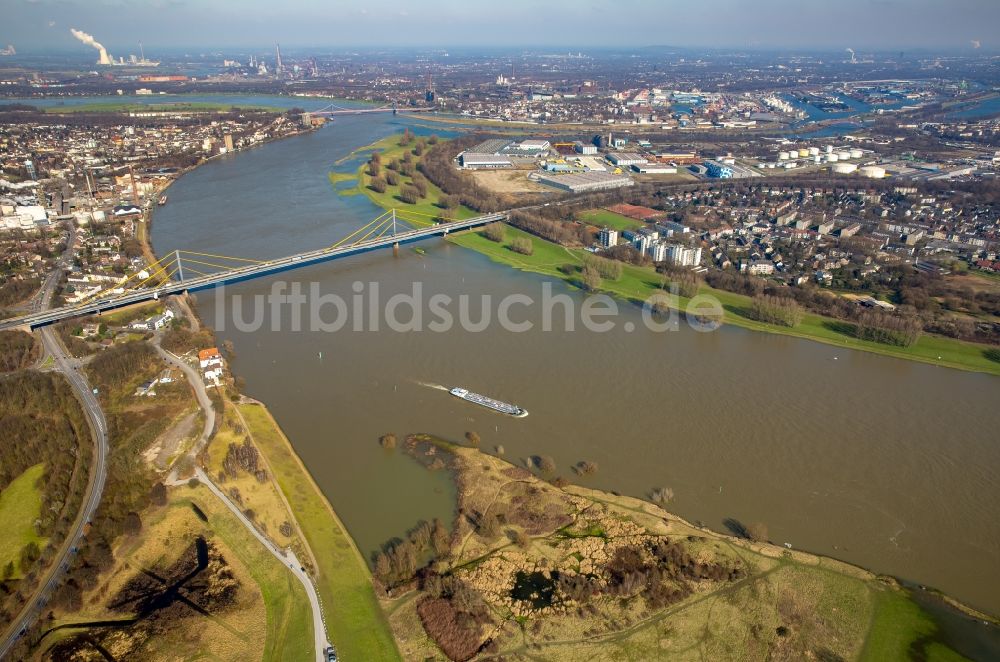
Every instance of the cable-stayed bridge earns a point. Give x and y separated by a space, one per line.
334 109
190 271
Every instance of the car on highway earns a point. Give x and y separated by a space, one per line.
331 654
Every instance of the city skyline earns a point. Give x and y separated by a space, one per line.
38 25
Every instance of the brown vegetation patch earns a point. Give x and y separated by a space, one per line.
458 636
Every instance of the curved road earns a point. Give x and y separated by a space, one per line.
70 367
287 556
201 394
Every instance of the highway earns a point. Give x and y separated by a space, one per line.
69 367
45 317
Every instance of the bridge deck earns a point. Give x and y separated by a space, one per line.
269 267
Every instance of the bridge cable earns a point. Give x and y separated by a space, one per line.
223 267
224 257
360 230
120 284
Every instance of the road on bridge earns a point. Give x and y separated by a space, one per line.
248 272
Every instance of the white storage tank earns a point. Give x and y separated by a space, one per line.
817 159
843 168
813 151
875 172
832 158
782 156
844 155
857 153
828 149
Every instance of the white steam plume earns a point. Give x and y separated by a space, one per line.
90 41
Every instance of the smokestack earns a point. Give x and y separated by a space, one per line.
90 41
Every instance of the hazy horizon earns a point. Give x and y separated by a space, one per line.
770 25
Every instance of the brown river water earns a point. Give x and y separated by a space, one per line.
889 464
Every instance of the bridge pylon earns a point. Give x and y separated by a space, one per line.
395 244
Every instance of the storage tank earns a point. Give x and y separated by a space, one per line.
832 158
813 151
828 149
803 152
782 156
856 153
817 159
844 155
875 172
843 168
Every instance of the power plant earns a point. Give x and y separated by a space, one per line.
105 59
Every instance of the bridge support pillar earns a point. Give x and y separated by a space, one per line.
395 249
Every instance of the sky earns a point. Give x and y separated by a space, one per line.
954 25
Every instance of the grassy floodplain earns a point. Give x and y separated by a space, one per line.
270 612
785 604
638 283
20 506
354 619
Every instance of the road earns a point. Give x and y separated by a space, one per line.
70 367
285 556
201 394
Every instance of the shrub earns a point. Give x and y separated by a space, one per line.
409 195
495 232
757 532
590 278
610 269
522 245
377 184
545 464
888 328
775 310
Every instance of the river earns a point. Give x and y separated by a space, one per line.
889 464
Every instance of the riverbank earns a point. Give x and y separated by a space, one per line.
568 572
637 284
354 620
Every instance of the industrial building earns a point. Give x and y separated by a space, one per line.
534 146
655 169
627 158
718 170
585 181
478 161
584 148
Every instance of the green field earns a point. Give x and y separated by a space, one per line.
605 218
354 620
20 506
